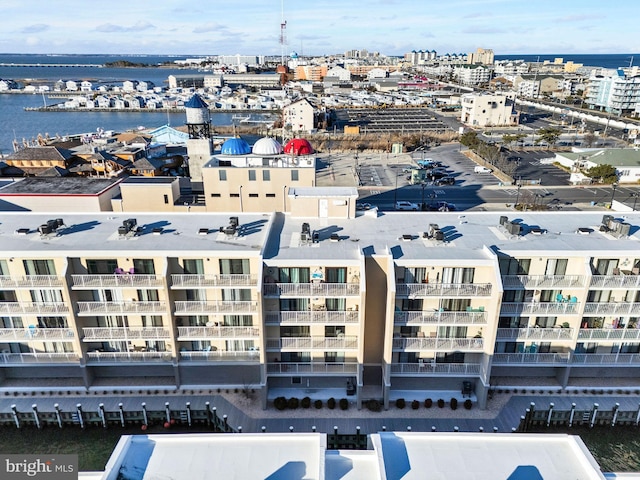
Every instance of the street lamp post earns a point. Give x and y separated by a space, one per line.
517 196
635 199
613 193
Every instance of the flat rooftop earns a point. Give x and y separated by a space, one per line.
59 186
395 456
98 232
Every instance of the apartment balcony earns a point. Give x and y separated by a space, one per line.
210 333
417 290
121 308
34 308
612 308
313 343
530 359
622 359
311 289
219 356
543 334
539 308
409 344
433 368
205 281
92 282
312 368
624 281
539 282
199 307
626 334
440 318
127 357
105 334
31 358
322 317
36 334
30 281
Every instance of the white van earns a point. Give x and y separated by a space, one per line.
479 169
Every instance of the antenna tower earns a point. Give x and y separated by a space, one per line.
283 34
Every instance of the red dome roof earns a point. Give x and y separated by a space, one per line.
298 146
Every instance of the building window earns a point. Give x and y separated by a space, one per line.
166 199
253 195
252 175
266 175
215 195
222 174
294 175
271 195
234 195
143 266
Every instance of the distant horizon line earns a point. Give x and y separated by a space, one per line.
278 54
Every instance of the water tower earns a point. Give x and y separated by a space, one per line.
199 144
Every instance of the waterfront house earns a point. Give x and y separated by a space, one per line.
32 160
71 86
299 116
129 85
86 86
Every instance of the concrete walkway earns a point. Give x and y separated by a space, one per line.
369 422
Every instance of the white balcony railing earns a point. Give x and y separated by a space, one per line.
206 333
612 308
313 343
89 282
34 308
434 368
448 344
219 356
531 282
36 334
10 358
539 308
549 334
203 281
443 289
606 358
450 318
127 357
615 281
213 307
318 368
311 289
609 334
31 281
530 358
121 308
93 334
310 317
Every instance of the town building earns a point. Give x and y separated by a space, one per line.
614 92
483 110
299 116
372 306
472 74
481 56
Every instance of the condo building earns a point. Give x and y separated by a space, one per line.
376 305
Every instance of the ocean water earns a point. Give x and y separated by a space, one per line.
591 60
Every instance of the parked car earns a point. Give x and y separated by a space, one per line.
480 169
446 181
402 205
442 207
363 206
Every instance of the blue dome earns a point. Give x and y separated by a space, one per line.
235 146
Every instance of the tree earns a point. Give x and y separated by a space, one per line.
602 173
548 135
509 138
589 139
469 139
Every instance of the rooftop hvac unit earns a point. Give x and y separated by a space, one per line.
503 220
334 237
513 228
623 230
433 228
306 229
122 230
45 229
439 235
233 222
316 237
606 219
407 237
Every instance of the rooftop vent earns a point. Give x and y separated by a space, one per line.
584 231
503 220
203 231
305 234
22 231
316 237
157 231
334 237
51 226
407 238
232 228
536 231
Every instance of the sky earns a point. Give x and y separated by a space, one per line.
252 27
